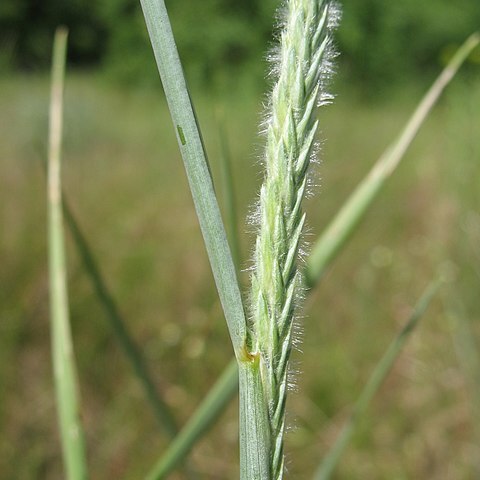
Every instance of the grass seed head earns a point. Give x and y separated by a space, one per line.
302 65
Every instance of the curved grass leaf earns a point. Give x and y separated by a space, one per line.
65 377
351 213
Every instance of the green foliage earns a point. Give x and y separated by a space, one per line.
218 35
27 27
221 39
178 322
403 38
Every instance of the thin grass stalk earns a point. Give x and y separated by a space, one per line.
198 424
162 412
255 434
65 377
353 210
348 223
374 383
196 165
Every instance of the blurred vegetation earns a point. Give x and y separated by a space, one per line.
125 181
382 43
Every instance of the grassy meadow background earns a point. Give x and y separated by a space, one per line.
124 179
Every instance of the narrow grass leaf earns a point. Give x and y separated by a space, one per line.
65 377
199 423
379 373
346 220
196 166
164 416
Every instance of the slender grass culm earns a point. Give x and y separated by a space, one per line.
303 65
65 377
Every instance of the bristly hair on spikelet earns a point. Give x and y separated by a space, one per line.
302 68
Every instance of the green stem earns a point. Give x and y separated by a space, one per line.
381 370
254 424
65 376
199 423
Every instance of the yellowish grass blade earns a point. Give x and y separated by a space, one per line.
353 210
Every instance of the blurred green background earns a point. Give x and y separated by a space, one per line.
225 40
125 181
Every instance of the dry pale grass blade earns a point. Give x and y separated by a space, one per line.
66 388
353 210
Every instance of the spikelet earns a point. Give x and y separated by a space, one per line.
303 64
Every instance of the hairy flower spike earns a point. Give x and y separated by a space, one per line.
303 66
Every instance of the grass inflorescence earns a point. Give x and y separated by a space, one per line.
303 66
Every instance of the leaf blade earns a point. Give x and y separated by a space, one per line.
196 165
